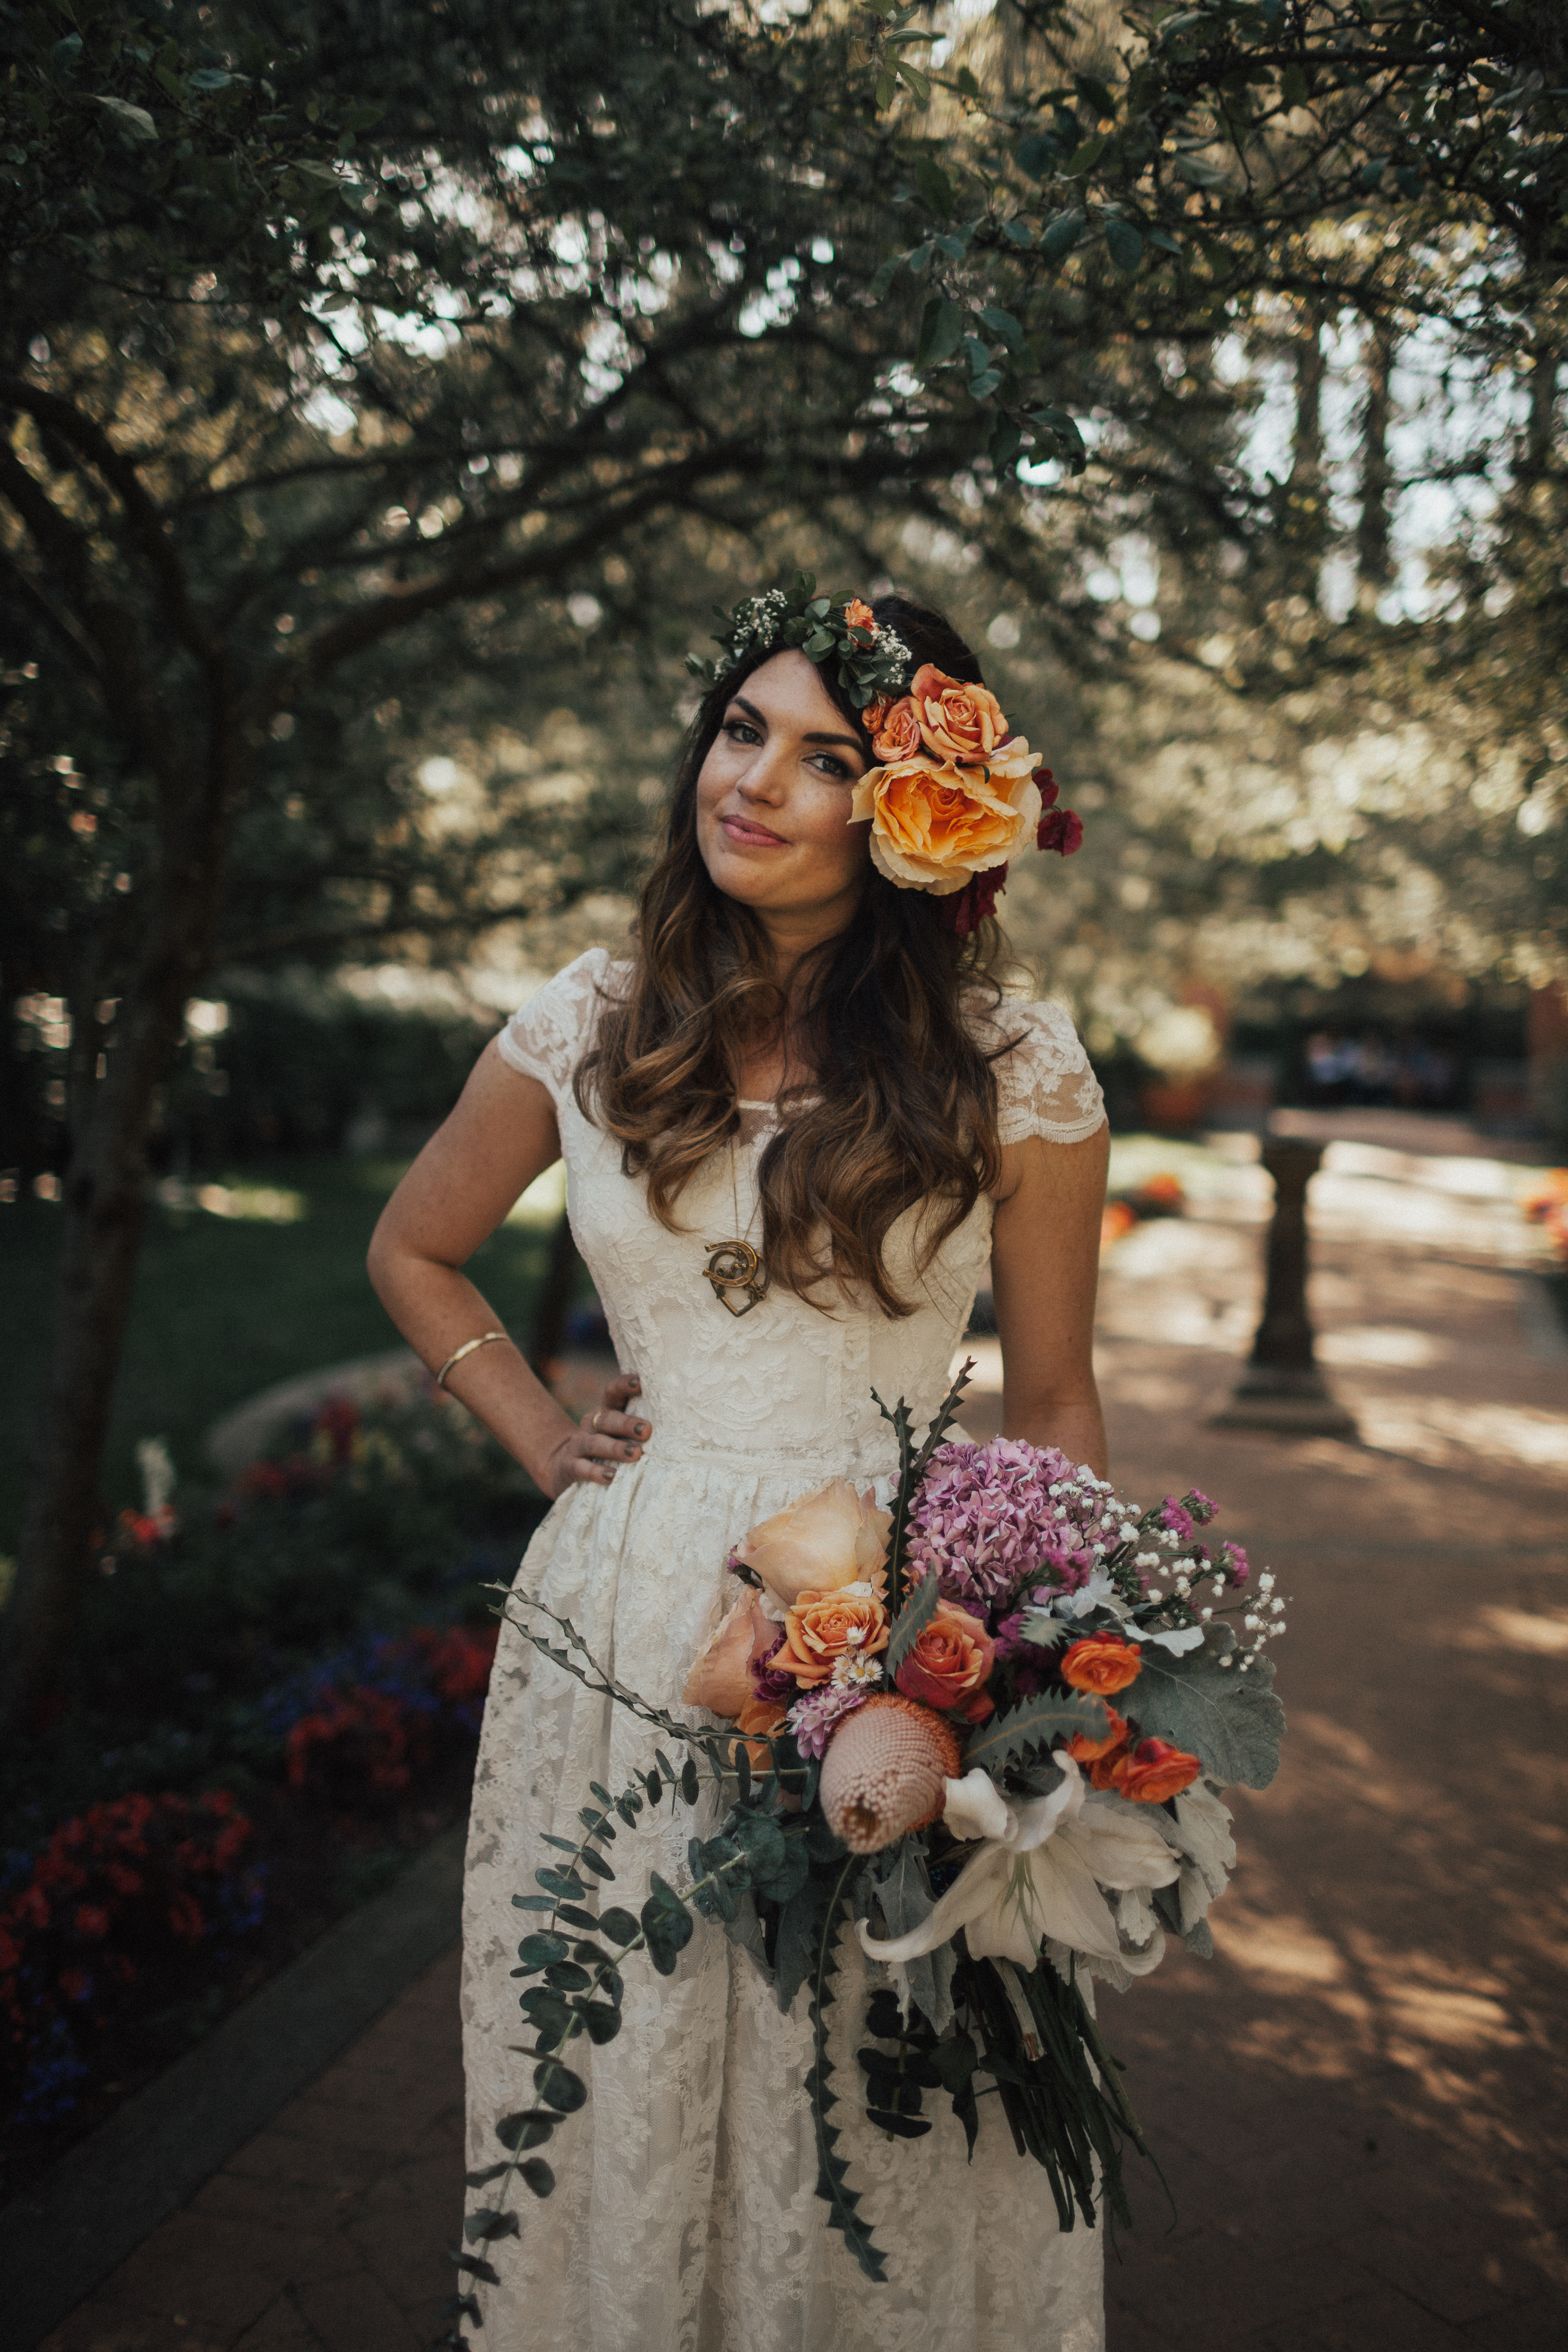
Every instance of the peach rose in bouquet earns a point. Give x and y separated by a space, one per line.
958 721
832 1537
720 1676
934 823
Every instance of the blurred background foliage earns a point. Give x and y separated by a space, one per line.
392 390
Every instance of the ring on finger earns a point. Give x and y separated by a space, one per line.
593 1425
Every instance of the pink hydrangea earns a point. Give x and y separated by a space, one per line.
986 1518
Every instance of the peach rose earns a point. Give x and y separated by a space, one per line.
1102 1663
949 1665
933 825
720 1679
823 1627
858 615
1153 1771
898 734
1085 1748
831 1536
958 721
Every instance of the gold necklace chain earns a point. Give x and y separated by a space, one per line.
734 1268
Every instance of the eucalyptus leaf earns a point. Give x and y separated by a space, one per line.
619 1926
559 2086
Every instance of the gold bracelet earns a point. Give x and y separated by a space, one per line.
466 1349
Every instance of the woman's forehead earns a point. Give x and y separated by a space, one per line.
788 690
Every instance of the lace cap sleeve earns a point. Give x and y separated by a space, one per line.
1045 1084
547 1037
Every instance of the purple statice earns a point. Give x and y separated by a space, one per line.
1175 1519
767 1683
815 1712
989 1517
1200 1507
1233 1560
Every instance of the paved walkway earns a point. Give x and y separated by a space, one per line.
1360 2101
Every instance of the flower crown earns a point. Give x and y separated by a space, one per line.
954 794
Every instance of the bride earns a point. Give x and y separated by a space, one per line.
798 1119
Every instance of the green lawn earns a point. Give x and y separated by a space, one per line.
224 1306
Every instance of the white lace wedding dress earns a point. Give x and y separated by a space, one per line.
683 2218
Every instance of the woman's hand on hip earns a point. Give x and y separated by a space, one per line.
600 1441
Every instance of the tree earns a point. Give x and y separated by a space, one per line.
283 398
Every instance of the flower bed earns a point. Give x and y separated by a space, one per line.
279 1696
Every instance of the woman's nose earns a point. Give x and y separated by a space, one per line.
765 777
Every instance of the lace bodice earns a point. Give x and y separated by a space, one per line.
789 1381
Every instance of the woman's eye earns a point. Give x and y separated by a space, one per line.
832 767
741 730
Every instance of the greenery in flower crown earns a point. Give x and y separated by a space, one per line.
872 661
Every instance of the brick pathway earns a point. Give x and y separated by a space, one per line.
1360 2101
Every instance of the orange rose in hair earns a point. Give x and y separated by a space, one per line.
898 732
934 824
949 1664
1085 1748
858 615
1153 1771
1102 1663
958 721
823 1627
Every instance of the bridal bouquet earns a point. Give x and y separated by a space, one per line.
990 1724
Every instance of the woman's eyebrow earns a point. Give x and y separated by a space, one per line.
753 712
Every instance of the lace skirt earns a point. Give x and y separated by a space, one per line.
684 2218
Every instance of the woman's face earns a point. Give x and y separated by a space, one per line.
773 799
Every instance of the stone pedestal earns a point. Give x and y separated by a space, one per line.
1282 1389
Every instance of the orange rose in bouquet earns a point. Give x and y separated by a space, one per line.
1102 1663
823 1627
1153 1770
949 1665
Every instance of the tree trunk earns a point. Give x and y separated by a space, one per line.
104 1196
1371 544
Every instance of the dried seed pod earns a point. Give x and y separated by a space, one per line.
883 1773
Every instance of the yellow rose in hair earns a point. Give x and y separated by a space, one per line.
934 823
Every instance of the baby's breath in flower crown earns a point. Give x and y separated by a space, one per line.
954 794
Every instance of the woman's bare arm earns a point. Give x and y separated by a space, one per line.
501 1135
1045 1266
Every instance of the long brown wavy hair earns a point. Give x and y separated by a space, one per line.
899 1106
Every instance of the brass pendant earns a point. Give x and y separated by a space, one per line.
735 1267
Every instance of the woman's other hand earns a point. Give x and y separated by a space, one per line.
600 1441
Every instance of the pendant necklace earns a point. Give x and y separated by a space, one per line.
734 1266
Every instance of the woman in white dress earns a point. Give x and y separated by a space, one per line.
802 1058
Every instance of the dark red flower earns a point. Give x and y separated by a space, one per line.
1047 784
1060 829
963 911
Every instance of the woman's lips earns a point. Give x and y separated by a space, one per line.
748 835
